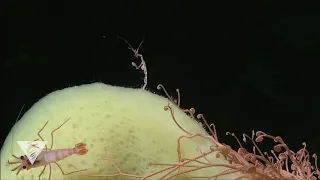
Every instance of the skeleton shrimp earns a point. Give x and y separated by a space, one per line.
143 65
48 156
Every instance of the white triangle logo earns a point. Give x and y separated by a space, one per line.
32 149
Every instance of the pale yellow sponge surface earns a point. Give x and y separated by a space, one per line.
128 126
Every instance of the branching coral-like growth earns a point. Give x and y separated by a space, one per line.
282 164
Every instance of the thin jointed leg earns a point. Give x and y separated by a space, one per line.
68 172
44 168
55 130
49 171
41 136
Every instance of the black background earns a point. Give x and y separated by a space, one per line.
244 65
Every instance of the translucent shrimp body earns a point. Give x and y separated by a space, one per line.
51 156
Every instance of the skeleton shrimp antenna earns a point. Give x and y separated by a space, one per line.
15 123
143 65
13 132
135 51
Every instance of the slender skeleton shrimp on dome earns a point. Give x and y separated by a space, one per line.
143 65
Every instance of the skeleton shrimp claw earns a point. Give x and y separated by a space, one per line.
48 156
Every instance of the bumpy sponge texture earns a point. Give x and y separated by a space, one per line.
126 126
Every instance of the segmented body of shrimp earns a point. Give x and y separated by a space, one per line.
52 156
49 156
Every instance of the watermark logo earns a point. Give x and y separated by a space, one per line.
32 149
